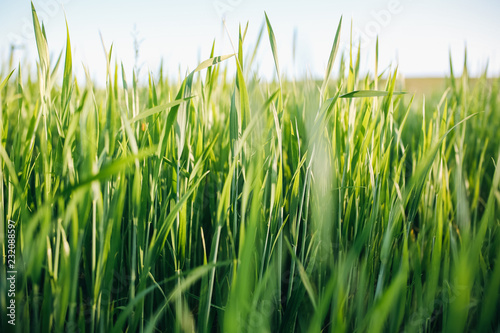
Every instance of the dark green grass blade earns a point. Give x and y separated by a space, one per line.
370 93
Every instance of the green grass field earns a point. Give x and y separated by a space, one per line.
225 203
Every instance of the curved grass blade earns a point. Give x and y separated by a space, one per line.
111 169
41 42
197 273
370 93
333 54
4 82
159 108
272 40
212 61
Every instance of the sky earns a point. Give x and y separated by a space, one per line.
417 36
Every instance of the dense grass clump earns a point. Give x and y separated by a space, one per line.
231 204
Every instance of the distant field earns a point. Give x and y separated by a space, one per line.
433 85
426 86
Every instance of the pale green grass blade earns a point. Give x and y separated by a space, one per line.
274 47
212 61
158 109
66 86
331 59
41 42
4 82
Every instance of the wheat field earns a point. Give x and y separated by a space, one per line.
228 203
